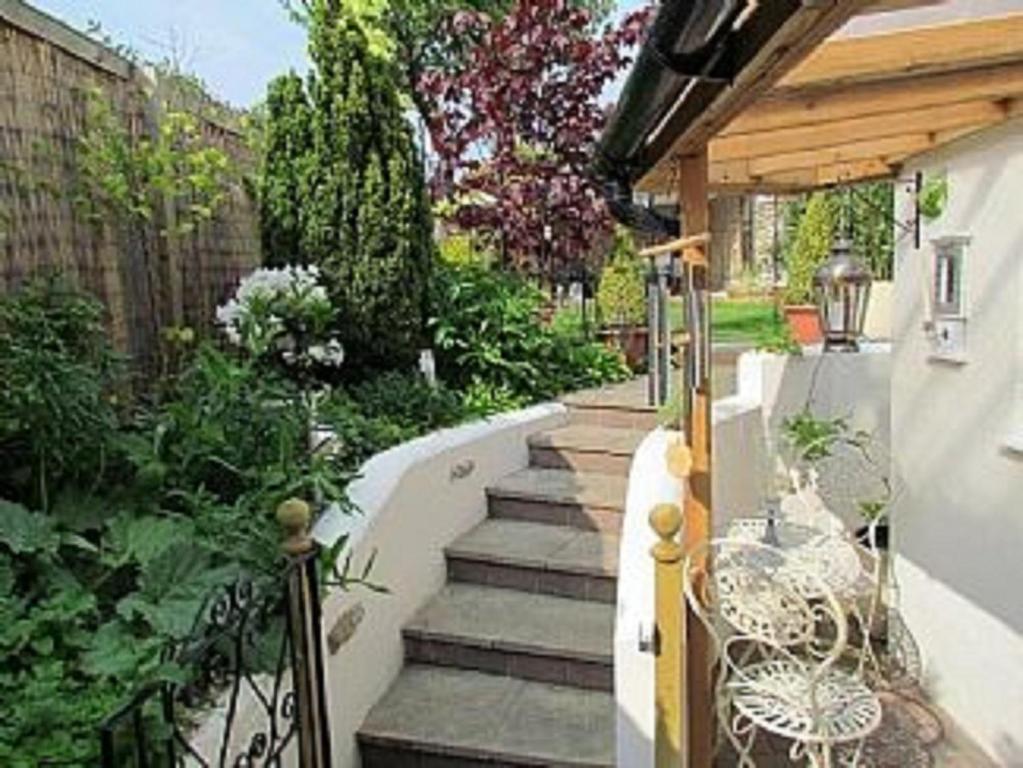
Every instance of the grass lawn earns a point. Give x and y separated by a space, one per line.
737 322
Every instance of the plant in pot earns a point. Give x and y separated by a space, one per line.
621 300
851 466
808 250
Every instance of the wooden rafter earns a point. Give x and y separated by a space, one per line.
858 108
939 48
788 108
871 128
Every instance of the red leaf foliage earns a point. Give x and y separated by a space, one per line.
515 120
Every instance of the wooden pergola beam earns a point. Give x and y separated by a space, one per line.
870 128
812 106
911 51
796 170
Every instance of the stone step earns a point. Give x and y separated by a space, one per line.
537 558
433 717
619 406
585 500
614 417
506 632
586 448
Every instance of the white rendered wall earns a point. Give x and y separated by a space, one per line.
416 499
959 525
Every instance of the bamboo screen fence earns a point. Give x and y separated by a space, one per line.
147 280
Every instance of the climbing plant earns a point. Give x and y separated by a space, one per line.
128 178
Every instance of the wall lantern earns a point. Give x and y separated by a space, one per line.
841 288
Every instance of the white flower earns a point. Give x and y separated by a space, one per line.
269 304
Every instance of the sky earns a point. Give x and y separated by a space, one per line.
235 46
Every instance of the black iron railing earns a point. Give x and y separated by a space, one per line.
249 682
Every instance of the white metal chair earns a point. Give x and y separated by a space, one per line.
777 654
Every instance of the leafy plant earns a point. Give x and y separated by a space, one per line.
778 340
815 441
131 177
933 196
489 337
813 438
812 244
621 295
56 403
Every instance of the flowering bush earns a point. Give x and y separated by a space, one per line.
285 314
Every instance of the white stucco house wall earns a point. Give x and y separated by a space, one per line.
957 435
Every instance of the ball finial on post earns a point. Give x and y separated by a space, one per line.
294 517
666 520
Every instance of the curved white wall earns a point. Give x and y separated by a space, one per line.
649 485
415 499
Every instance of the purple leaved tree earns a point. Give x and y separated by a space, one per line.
514 125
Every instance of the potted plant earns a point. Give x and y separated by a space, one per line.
856 455
809 249
621 300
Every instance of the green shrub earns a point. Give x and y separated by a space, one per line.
489 337
621 295
56 402
408 400
810 248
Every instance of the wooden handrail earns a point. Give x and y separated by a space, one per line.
679 244
692 247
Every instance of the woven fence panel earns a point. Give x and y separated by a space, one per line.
147 280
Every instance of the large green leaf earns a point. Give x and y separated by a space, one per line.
26 532
144 539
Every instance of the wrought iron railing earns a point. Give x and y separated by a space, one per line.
254 681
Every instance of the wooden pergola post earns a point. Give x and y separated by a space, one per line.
698 724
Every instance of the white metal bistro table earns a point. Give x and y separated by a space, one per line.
832 558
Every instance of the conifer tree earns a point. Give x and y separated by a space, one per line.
362 207
288 140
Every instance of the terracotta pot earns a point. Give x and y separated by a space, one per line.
804 323
631 341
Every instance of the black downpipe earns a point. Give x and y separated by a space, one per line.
684 42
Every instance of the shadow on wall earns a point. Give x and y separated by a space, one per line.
1009 751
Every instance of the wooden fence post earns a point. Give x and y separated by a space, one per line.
666 520
305 632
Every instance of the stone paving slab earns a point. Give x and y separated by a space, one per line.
631 395
540 545
561 486
590 437
475 715
519 622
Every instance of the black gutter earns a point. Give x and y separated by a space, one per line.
691 54
684 41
